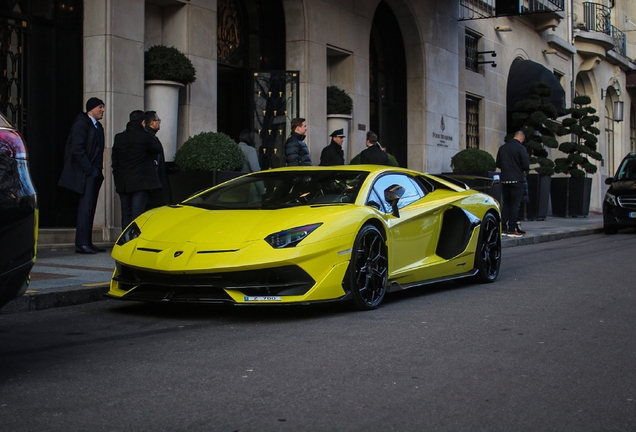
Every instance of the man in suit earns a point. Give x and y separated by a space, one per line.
333 153
82 172
373 154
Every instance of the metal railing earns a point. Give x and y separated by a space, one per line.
476 9
620 41
596 17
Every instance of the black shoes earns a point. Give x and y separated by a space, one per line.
85 250
97 249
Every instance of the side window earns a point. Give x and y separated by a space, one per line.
412 191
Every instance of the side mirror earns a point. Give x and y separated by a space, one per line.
609 180
392 195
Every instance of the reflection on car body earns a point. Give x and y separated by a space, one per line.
302 235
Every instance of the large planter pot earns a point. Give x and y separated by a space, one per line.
571 196
538 196
341 121
186 183
163 97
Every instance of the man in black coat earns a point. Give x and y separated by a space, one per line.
158 197
296 151
134 167
333 153
373 154
513 161
82 172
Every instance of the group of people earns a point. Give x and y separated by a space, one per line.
138 164
297 153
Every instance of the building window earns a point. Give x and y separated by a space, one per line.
472 48
472 122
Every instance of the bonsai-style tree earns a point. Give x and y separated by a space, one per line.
209 151
473 161
535 117
168 63
338 101
580 125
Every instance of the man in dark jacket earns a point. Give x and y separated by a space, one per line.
82 172
158 197
513 161
333 153
373 154
134 168
296 151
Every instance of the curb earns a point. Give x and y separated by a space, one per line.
51 298
71 296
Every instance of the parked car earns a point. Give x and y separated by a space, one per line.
309 235
18 214
619 205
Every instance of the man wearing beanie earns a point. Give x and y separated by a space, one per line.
333 153
82 172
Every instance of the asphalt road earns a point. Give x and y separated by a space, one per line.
550 346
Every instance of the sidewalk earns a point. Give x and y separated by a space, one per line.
64 278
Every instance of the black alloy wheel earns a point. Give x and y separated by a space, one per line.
368 270
488 253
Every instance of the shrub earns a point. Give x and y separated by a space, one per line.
168 63
338 101
209 151
580 126
473 161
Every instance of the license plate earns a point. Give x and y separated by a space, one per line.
632 215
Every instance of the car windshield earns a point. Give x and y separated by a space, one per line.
280 189
627 170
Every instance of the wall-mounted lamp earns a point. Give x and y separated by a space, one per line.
503 29
618 111
549 51
617 92
492 63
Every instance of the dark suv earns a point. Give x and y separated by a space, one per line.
619 205
18 215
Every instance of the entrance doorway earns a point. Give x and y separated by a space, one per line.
41 46
387 81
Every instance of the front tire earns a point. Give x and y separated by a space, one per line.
367 275
610 229
488 253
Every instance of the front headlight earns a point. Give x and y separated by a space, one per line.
290 237
611 199
130 233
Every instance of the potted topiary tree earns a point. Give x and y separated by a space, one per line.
571 195
476 168
339 109
166 70
204 160
536 117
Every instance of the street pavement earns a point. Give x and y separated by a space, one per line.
63 278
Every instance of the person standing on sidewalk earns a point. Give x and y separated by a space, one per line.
158 197
333 153
513 161
134 169
373 154
82 172
296 151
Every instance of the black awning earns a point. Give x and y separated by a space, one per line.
524 73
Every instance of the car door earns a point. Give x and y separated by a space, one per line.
412 235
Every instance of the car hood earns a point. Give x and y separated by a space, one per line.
178 224
622 187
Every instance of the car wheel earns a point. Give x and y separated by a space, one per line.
368 270
610 229
488 253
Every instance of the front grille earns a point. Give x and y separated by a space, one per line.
627 201
286 280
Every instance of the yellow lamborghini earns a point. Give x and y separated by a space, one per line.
310 234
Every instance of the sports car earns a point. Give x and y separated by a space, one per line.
300 235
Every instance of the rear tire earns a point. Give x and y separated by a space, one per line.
367 276
488 253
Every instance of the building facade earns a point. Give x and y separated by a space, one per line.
430 77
